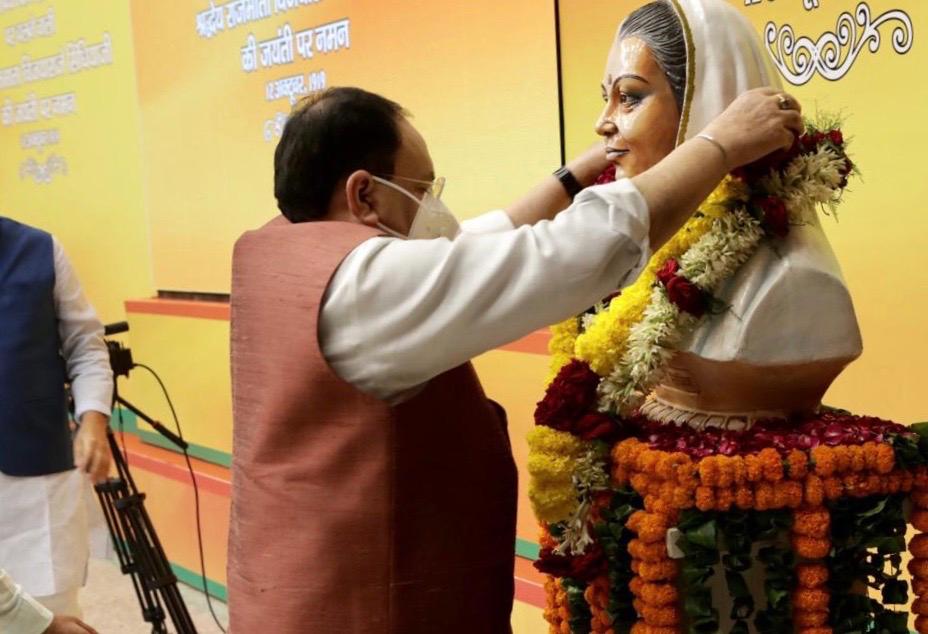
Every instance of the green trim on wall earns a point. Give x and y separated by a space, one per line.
526 549
195 580
149 437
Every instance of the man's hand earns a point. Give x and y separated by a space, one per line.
68 625
91 451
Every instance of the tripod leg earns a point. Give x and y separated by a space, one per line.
139 549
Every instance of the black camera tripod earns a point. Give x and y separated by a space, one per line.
138 548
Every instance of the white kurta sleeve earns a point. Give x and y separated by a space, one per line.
81 334
399 312
20 613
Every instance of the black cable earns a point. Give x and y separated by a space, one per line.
196 495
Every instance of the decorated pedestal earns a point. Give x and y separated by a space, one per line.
659 519
814 511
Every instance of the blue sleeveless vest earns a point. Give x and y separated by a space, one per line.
34 434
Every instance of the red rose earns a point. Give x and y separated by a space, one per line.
571 395
607 176
836 137
552 564
596 426
589 565
776 216
668 271
686 296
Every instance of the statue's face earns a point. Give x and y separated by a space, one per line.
640 121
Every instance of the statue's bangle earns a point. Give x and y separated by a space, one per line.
713 141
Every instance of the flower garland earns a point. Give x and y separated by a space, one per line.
604 364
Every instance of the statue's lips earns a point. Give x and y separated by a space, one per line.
614 154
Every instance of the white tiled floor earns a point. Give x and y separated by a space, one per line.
110 605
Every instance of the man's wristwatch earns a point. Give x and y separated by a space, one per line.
570 183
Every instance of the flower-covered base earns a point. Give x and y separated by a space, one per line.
815 507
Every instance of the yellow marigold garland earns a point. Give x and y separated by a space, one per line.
552 457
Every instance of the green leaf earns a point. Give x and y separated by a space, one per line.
920 428
893 622
896 592
737 563
705 535
737 588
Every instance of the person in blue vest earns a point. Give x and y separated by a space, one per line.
49 335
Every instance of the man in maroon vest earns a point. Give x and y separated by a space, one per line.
374 489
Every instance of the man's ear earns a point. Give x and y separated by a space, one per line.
360 198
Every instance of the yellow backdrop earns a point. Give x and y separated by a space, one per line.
479 78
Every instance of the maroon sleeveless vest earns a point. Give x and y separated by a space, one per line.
349 515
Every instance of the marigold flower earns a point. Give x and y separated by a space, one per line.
772 464
657 505
842 458
856 458
921 478
811 547
726 472
814 490
834 488
813 600
919 499
643 628
870 454
649 526
658 571
764 496
687 474
636 585
812 523
661 616
885 458
919 586
824 459
738 470
709 472
854 485
921 625
788 494
654 551
724 499
753 468
705 498
811 576
919 520
798 462
640 482
744 498
920 606
659 594
919 568
809 618
683 498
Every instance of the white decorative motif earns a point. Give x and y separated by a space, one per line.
810 4
834 54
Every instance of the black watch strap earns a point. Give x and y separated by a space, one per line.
571 185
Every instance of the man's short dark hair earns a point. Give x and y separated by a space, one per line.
329 136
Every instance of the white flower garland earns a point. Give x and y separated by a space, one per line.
807 181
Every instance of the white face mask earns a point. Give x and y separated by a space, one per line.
432 220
